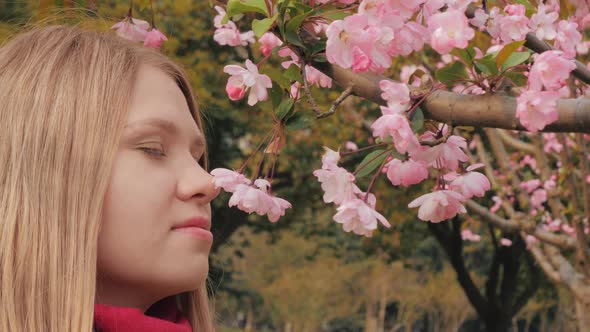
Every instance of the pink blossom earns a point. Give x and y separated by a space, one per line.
493 25
154 39
449 29
411 37
381 13
497 204
257 199
219 17
316 77
337 184
397 126
229 35
353 43
294 92
276 208
542 23
530 185
396 94
287 52
247 78
359 217
538 197
445 155
505 242
550 70
536 109
249 199
550 184
567 38
479 19
471 184
406 8
351 146
132 29
551 143
330 159
228 179
528 160
468 235
439 205
406 173
268 41
513 26
569 230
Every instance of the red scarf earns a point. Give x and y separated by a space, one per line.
163 316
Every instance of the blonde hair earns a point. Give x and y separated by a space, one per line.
64 96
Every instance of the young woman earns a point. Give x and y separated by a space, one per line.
104 193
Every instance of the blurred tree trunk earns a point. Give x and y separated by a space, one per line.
382 307
370 317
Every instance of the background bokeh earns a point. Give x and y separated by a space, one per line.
304 273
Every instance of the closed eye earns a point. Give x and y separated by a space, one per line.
156 153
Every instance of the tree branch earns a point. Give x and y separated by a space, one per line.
512 226
493 111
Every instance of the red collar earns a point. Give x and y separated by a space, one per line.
163 316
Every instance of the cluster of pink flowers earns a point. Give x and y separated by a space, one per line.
139 31
537 106
250 197
356 209
445 202
228 33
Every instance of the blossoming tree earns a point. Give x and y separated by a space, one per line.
506 98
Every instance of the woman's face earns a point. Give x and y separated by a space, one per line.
156 184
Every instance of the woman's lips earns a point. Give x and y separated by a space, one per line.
196 232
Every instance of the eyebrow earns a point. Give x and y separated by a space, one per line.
167 126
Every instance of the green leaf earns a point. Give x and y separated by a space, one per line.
292 37
299 120
451 73
517 78
507 51
295 23
285 108
294 73
487 64
261 26
417 119
277 76
276 95
371 162
516 58
235 7
318 46
467 55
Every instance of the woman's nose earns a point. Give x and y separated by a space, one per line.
198 184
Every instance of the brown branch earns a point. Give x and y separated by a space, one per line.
516 226
544 262
575 281
516 143
493 111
